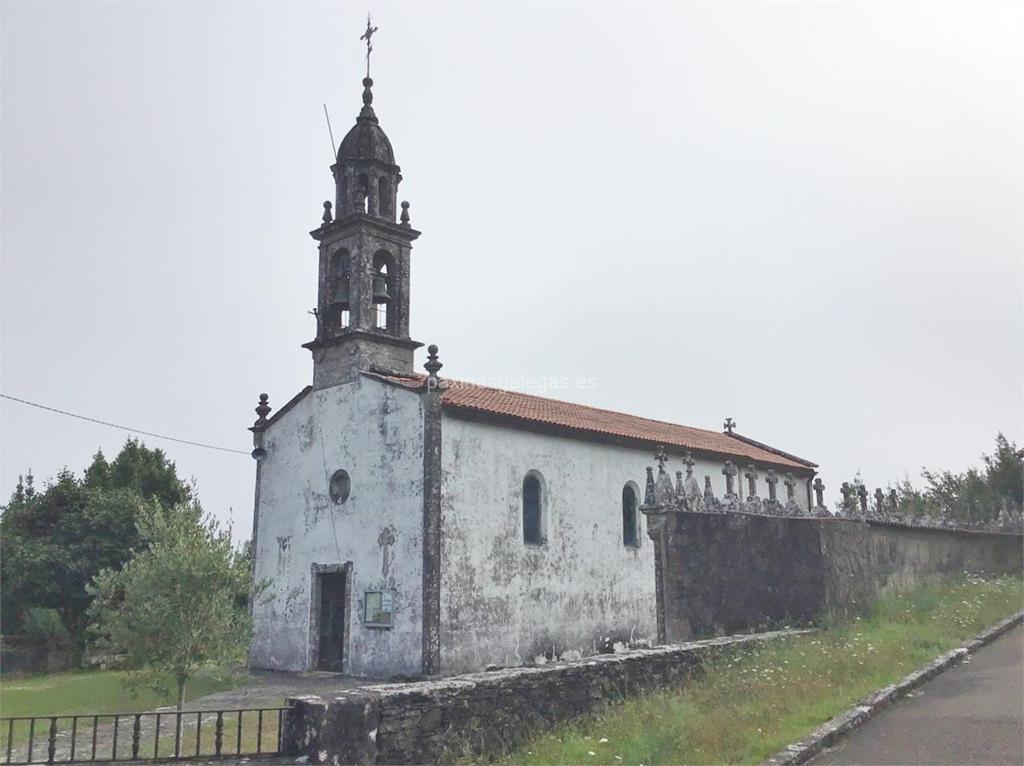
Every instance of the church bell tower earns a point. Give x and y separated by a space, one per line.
363 295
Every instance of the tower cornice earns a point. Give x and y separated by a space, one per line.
362 220
347 336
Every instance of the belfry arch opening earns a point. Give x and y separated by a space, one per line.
383 290
339 311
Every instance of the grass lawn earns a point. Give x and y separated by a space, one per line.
96 691
745 708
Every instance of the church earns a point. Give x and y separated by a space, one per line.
409 524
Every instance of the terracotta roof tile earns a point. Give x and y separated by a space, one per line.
471 398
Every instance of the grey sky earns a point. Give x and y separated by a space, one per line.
806 217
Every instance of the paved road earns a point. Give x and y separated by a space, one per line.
972 714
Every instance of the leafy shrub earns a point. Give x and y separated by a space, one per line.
43 625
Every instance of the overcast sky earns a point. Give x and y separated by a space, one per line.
805 217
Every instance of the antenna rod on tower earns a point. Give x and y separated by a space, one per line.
334 148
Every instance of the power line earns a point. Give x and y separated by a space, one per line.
123 428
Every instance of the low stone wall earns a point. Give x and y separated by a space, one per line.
23 657
729 572
483 713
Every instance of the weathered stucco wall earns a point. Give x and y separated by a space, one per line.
375 433
505 602
728 572
864 560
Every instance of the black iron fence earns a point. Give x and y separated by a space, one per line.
157 736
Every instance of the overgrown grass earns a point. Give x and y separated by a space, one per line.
748 706
98 691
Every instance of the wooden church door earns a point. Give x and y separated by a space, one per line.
332 621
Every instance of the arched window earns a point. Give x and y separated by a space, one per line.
533 510
383 289
362 200
338 317
381 298
630 533
384 198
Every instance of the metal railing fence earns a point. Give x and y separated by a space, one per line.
151 736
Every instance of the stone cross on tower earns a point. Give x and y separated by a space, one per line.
662 458
893 502
752 477
772 478
819 493
689 462
862 496
730 471
879 501
728 425
790 483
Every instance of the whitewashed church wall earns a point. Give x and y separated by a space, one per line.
375 433
506 602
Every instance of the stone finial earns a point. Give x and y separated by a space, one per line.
689 462
790 483
665 493
679 484
432 366
819 493
849 493
752 476
729 425
772 479
729 471
709 495
662 459
262 410
862 497
405 213
328 215
366 113
650 494
879 501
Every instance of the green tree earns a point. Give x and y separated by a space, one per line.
53 542
1004 471
179 605
975 495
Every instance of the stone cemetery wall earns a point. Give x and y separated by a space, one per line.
483 713
721 573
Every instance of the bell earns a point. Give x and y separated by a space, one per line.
341 291
380 289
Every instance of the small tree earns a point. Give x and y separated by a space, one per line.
179 605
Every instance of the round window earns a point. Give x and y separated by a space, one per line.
340 486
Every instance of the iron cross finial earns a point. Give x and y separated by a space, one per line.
729 424
370 29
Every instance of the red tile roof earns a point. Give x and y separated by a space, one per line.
469 398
